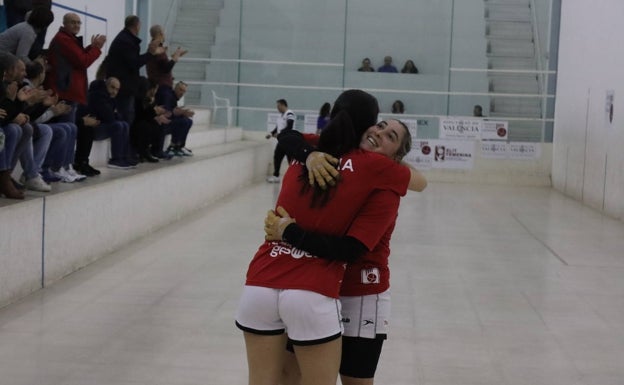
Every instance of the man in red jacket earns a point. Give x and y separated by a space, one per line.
68 61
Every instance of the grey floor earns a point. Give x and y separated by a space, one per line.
491 286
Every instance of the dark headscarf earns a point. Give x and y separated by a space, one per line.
353 113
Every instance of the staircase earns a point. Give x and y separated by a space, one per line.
511 46
194 29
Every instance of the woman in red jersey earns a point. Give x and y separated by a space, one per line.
291 291
364 295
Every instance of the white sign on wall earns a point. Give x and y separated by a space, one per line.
272 120
309 123
494 150
462 128
494 130
525 150
444 154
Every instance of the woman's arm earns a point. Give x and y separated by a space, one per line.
417 182
371 222
321 167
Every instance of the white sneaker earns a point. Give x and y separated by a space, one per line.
64 175
77 176
273 179
37 184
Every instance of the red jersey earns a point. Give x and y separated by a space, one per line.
370 274
278 265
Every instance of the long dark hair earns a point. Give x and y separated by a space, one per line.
353 113
325 109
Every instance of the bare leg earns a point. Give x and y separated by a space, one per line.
291 374
319 363
265 358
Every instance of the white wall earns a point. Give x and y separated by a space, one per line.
113 11
588 162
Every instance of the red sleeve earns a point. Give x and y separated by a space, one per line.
76 55
388 174
311 139
375 217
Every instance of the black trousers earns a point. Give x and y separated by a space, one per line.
278 156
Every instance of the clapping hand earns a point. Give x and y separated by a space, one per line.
179 52
98 41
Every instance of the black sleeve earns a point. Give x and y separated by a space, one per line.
294 145
289 125
333 248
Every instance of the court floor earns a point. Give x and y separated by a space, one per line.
491 285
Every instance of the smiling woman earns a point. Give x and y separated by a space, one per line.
391 138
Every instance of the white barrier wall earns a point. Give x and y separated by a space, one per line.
588 162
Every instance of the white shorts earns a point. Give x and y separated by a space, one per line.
366 316
307 317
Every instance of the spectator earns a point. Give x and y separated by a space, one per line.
409 68
68 61
477 111
124 61
159 66
366 66
35 141
387 67
102 106
57 165
11 134
323 118
146 128
19 39
286 121
398 107
180 117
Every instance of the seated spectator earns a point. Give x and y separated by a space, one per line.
398 107
477 111
181 121
20 38
387 67
11 134
366 66
34 141
101 105
409 68
86 124
323 118
57 165
145 131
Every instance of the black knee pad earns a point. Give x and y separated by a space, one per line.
360 356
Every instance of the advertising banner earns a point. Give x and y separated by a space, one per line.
444 154
460 128
494 130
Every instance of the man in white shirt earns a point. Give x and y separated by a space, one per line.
286 121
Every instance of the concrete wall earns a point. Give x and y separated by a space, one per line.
588 163
49 236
